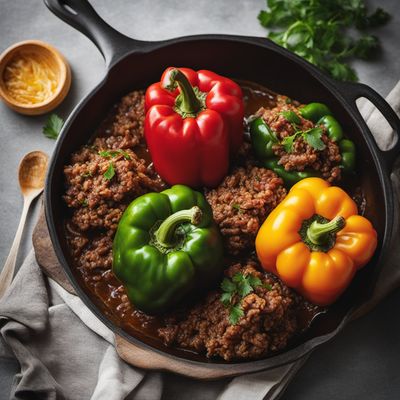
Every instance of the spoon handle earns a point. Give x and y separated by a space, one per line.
7 273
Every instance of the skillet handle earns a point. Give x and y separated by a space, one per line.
81 15
353 91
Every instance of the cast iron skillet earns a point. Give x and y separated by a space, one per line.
133 64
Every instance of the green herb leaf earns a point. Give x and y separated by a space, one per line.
240 285
292 117
114 153
243 286
87 174
53 126
228 286
110 172
238 208
226 299
267 286
288 142
313 138
254 281
324 32
235 313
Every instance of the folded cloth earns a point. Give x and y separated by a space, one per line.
62 358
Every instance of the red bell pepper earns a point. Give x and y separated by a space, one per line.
194 123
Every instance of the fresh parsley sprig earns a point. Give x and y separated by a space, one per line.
311 136
110 172
114 153
53 126
320 31
238 287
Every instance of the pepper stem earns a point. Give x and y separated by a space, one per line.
165 234
190 100
318 233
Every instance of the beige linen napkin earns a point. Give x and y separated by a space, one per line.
62 358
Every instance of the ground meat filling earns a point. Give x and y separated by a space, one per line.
98 200
123 129
302 156
269 321
241 203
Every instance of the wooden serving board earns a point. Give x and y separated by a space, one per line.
132 354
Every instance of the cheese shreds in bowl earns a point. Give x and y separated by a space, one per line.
30 79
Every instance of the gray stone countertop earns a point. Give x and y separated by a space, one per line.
362 361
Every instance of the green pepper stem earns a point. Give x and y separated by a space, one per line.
189 103
318 233
165 234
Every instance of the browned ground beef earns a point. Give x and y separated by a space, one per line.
303 155
269 321
97 203
241 203
125 127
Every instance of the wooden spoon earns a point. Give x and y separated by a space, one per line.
31 175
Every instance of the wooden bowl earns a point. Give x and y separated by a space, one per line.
58 64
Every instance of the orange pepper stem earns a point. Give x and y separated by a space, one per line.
319 233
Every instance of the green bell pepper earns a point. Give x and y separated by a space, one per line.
315 111
289 177
167 246
332 126
348 153
262 138
320 113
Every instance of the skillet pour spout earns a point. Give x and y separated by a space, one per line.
133 64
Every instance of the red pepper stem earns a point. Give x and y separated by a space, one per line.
165 234
318 233
189 103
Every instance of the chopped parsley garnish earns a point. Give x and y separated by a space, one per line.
53 126
238 208
291 116
311 136
87 174
239 286
110 172
114 153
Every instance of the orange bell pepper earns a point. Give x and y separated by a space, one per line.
315 241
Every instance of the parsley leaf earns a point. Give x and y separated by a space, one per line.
114 153
240 285
226 299
110 172
235 313
313 138
288 142
254 281
53 126
267 286
325 33
292 117
228 286
237 207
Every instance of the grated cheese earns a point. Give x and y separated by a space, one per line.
30 79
